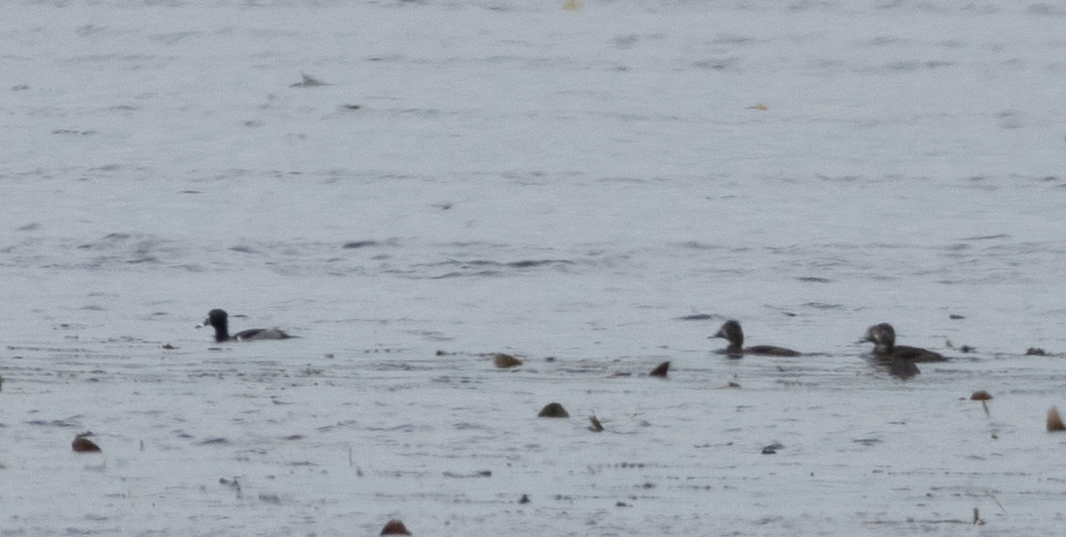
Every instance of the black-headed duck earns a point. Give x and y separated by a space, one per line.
731 332
219 319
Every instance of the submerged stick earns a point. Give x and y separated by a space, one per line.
596 426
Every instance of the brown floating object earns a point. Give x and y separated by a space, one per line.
83 445
553 410
1054 421
395 527
504 361
980 395
661 370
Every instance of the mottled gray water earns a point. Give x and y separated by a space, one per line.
566 186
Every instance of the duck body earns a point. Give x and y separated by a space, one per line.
219 320
883 336
732 333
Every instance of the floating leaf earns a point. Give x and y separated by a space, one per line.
504 361
395 527
84 445
1054 421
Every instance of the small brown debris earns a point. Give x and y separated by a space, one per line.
553 410
1054 421
395 527
596 426
661 370
980 395
81 444
504 361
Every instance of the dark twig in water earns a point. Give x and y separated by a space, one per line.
993 498
596 426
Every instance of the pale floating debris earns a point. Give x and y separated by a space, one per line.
309 82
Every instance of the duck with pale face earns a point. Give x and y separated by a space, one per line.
883 336
732 333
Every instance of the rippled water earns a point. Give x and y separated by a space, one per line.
593 190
